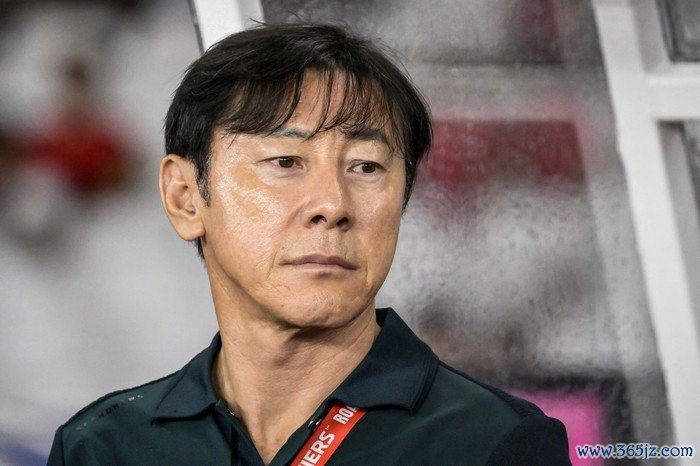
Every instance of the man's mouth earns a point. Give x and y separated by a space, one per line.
322 260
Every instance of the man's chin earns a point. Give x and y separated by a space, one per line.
318 317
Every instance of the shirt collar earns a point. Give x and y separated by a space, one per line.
397 371
192 391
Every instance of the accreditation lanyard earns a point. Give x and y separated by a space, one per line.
328 435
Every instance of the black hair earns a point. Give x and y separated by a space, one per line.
251 81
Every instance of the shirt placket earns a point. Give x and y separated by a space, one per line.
243 451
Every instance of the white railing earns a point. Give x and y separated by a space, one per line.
649 94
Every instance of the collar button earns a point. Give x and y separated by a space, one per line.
313 423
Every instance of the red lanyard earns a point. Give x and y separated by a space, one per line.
328 436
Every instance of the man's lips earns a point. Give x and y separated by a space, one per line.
320 259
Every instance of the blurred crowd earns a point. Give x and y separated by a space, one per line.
84 88
76 155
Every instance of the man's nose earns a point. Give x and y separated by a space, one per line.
328 203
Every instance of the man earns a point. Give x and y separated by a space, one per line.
292 150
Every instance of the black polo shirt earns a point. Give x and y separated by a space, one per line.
419 412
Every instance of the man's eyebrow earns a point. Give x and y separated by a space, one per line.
368 134
291 132
364 134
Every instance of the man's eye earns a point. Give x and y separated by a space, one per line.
366 167
285 162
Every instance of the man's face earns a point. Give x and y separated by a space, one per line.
302 232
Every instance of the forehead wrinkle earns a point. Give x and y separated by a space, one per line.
369 134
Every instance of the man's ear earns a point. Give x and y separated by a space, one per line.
180 196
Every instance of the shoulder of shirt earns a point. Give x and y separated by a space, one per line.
460 382
498 422
142 399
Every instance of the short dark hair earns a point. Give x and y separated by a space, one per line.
251 81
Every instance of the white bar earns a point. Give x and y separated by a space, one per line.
674 96
216 19
635 100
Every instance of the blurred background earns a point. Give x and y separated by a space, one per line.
551 247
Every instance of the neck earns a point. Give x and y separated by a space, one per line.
274 377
